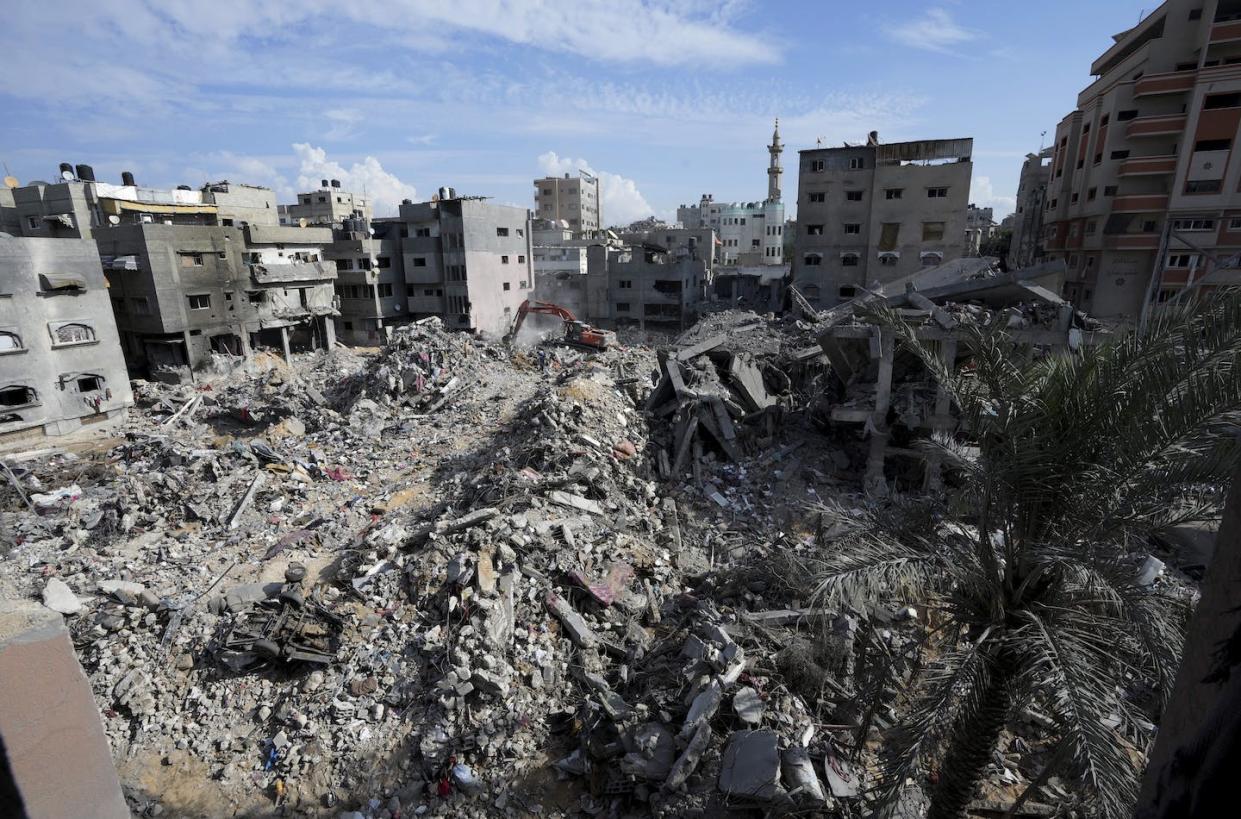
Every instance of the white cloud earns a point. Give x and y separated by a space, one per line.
367 176
983 194
344 123
934 31
622 201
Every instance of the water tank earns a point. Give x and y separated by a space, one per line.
335 183
127 178
407 201
444 193
184 188
323 183
86 173
65 168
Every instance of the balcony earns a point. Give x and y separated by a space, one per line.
1170 82
1157 125
1147 166
1140 203
1226 31
1132 241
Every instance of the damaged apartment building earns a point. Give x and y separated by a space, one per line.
61 367
371 292
191 272
878 212
466 260
643 285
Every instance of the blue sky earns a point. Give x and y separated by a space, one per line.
666 99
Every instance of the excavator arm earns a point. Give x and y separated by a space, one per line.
576 332
544 307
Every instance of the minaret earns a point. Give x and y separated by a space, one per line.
774 171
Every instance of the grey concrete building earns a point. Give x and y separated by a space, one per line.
238 205
576 200
878 212
979 227
182 292
371 290
1027 219
61 367
330 206
467 260
9 223
643 285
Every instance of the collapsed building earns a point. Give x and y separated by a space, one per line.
644 285
61 367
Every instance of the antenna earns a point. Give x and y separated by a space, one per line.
1041 139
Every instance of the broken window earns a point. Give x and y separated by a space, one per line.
73 333
814 230
888 259
848 291
201 301
501 231
889 235
9 342
932 231
191 259
18 396
90 383
256 296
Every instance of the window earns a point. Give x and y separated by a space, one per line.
256 296
849 259
322 198
1098 157
817 165
814 230
1120 154
1150 226
1091 227
200 302
364 264
1212 144
89 383
854 196
344 264
422 233
504 260
1182 260
1103 121
1221 101
1081 163
18 396
501 231
848 291
813 259
936 193
853 228
1203 186
420 261
32 222
932 231
521 260
622 307
1109 190
10 342
1234 223
893 193
385 290
1090 194
72 333
888 260
521 232
857 163
523 285
1074 229
818 196
1073 199
1125 116
507 286
383 262
625 284
1186 225
1195 14
191 259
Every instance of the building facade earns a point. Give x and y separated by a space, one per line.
575 200
467 260
1143 201
1024 248
979 227
643 285
329 206
371 291
61 367
878 212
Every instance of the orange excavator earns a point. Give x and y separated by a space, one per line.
577 333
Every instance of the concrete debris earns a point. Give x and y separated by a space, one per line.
750 767
60 598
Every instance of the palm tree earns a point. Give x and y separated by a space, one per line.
1075 459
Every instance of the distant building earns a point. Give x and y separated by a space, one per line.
694 243
749 233
329 206
61 367
370 280
575 200
1027 224
467 261
878 212
1142 202
979 227
643 285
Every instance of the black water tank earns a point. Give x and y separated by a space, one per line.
335 183
407 201
86 173
65 167
324 183
127 178
184 188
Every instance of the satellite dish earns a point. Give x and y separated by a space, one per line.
11 182
67 176
301 222
113 219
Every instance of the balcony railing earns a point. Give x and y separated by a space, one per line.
1157 125
1170 82
1147 166
1133 241
1222 32
1140 203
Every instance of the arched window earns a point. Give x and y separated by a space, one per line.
814 259
10 342
931 258
849 259
73 333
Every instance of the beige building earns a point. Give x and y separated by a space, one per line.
1142 201
328 206
1027 219
877 212
979 227
576 200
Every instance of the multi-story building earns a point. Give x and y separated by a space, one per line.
1027 220
1143 197
878 212
979 227
61 367
575 200
327 206
643 285
749 233
370 280
695 243
467 260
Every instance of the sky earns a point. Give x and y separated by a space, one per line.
665 99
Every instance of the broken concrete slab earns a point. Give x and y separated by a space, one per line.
800 779
574 625
58 597
687 763
577 502
750 766
748 706
654 755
